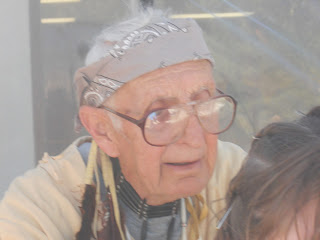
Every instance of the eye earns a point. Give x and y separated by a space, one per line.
157 119
211 106
158 116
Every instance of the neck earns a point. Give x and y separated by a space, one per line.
132 200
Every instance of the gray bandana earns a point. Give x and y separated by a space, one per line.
151 47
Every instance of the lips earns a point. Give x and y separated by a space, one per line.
181 164
183 169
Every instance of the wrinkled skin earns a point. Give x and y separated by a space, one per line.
149 169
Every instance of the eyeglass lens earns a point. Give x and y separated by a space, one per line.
167 125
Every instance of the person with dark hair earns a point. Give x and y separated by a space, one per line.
311 120
153 162
276 194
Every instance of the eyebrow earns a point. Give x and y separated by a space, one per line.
167 102
194 95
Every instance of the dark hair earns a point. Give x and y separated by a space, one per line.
111 230
280 177
88 208
311 120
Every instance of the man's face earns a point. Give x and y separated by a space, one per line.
183 168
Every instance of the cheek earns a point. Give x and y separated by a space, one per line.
211 142
139 160
143 170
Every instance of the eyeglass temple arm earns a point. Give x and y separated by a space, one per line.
130 119
219 91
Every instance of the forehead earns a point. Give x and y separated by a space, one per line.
179 82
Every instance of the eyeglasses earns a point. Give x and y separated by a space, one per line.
165 126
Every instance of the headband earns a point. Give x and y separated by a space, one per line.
156 45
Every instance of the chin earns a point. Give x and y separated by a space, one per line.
191 187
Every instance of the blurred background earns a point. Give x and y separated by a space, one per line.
267 56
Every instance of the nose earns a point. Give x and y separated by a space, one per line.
194 134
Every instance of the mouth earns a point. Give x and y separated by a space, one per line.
183 165
180 164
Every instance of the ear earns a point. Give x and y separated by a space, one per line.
100 127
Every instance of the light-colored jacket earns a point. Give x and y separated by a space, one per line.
45 202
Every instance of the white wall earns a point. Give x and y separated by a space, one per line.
16 121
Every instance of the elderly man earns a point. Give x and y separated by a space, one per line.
153 167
